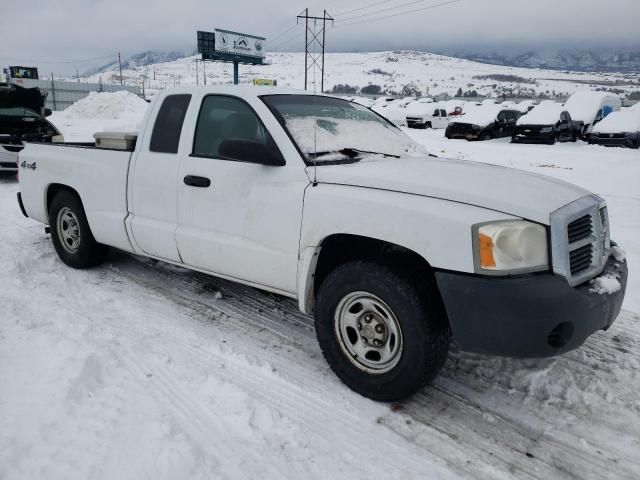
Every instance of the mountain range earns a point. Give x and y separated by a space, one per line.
625 61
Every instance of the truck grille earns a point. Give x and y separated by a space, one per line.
580 239
580 228
580 259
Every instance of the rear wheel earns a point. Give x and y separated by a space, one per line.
71 235
382 336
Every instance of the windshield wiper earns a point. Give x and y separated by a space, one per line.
352 153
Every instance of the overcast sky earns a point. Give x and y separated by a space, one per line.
35 31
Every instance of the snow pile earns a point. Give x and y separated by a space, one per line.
626 120
481 116
108 105
583 106
605 284
618 253
547 114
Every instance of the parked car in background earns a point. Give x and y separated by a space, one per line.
484 123
546 123
436 116
619 129
394 111
22 119
591 107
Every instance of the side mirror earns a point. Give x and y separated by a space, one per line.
251 151
47 112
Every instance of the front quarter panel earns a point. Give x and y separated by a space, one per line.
438 230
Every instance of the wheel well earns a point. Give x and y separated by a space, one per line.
56 188
341 248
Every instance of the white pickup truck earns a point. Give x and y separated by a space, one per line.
396 253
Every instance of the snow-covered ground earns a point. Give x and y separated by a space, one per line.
138 369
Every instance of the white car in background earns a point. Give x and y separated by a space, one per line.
591 107
619 129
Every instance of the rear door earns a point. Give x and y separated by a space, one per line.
154 181
510 125
243 219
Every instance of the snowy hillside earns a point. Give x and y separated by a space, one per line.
392 71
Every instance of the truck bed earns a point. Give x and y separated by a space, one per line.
98 175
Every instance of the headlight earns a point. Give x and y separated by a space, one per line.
546 130
510 246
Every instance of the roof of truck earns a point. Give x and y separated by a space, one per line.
241 90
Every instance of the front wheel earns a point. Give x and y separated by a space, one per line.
382 336
71 235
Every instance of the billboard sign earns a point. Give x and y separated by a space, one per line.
265 82
231 46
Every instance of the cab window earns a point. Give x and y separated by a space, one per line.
166 131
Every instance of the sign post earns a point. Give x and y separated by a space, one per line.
227 46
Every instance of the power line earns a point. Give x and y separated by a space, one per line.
398 14
382 10
285 41
361 8
281 33
58 61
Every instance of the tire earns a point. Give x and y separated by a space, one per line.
574 137
427 125
486 136
71 235
552 140
414 324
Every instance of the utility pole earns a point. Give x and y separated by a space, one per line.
204 71
77 76
311 58
120 64
197 74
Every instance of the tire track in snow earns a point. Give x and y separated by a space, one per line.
526 436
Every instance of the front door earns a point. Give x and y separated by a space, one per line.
241 219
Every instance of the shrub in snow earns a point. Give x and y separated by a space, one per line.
371 90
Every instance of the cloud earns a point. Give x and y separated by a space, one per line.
45 32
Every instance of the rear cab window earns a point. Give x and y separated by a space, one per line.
168 126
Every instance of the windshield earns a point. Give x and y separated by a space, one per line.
327 129
18 112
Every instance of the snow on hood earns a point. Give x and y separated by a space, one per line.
583 106
625 120
546 114
503 189
481 116
326 134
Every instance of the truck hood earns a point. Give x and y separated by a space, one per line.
508 190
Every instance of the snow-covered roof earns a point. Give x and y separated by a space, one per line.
584 106
545 114
625 120
482 115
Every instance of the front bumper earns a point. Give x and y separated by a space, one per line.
537 315
520 137
628 140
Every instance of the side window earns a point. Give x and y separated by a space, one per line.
502 117
227 118
510 116
168 126
436 113
443 113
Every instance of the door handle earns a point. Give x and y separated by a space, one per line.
195 181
